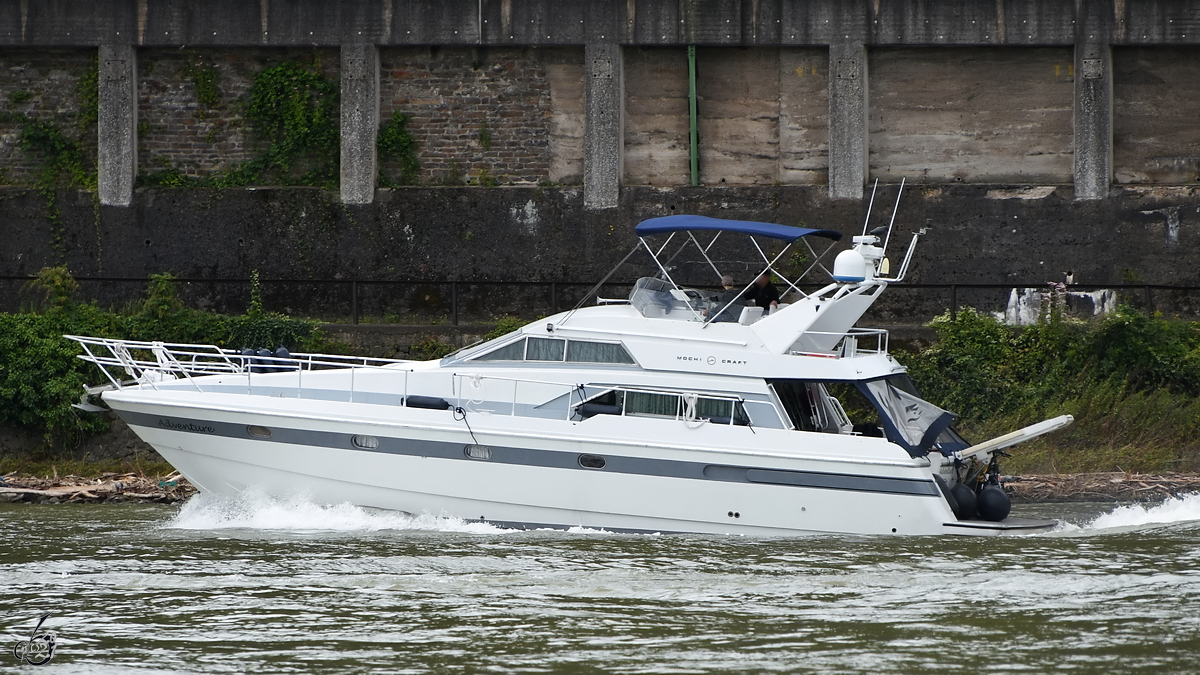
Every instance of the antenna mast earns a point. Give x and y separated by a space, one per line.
895 209
869 205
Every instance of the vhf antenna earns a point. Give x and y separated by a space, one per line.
893 220
869 205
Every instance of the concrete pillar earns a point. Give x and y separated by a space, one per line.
604 129
360 122
1093 116
847 120
117 125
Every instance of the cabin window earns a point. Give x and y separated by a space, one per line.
580 351
553 349
676 406
258 432
365 442
591 461
477 451
721 411
510 352
646 403
544 349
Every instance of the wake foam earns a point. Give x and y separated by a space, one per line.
1133 516
256 511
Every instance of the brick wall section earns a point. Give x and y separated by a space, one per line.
452 93
51 77
175 130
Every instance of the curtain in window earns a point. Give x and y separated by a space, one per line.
651 404
596 352
544 349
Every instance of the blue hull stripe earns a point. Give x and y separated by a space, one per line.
556 459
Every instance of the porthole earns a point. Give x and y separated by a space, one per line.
478 451
365 442
258 432
591 461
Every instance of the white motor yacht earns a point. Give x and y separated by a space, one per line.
660 412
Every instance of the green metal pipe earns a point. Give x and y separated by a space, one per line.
693 132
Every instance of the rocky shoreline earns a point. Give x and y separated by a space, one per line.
174 489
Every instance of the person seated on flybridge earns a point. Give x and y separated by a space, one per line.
727 306
763 294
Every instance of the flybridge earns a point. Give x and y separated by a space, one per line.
800 322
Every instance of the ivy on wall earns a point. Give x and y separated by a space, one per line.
396 142
57 148
294 111
205 82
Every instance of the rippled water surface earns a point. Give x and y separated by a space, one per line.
269 586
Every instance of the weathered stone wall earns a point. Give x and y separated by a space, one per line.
981 235
178 131
803 116
1002 108
1156 115
737 93
937 114
972 115
656 117
483 112
43 84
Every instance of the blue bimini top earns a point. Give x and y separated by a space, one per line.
668 224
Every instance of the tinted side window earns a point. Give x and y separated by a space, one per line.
579 351
545 349
639 402
512 352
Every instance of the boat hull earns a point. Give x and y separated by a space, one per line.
534 480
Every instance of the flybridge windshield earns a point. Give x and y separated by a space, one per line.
671 299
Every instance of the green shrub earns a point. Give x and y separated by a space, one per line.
505 325
40 376
1130 381
429 348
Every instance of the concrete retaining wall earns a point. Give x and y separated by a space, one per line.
1013 110
981 234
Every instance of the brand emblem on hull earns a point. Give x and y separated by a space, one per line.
186 426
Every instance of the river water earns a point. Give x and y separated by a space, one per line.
264 585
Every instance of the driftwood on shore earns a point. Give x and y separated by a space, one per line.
1092 487
109 487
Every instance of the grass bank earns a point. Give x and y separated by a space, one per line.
1131 381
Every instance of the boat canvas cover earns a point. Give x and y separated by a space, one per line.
667 224
908 420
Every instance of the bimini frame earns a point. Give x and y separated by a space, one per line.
688 225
